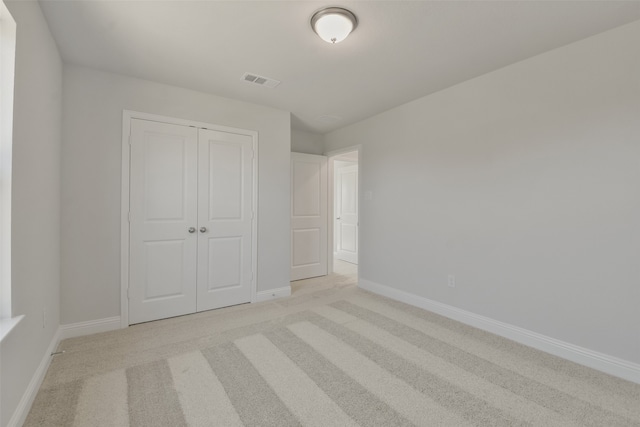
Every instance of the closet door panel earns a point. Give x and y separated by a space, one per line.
225 176
225 216
225 263
163 206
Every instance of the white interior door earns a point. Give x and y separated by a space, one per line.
308 216
347 213
163 210
225 217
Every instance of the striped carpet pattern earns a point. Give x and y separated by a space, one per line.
331 355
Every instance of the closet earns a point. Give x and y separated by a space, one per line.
191 219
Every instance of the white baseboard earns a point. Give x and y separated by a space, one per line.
609 364
22 410
73 330
271 294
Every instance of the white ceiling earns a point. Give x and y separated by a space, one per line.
401 50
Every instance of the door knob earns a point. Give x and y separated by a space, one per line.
338 218
192 229
203 229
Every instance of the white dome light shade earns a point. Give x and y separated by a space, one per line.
333 24
333 28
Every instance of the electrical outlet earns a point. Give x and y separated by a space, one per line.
451 281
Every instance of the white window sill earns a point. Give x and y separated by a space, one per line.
6 325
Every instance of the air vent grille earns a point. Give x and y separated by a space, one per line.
260 80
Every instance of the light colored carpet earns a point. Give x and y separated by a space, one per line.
330 355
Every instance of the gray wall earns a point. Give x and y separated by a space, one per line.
525 184
92 131
306 142
35 203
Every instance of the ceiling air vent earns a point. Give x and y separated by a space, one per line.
260 80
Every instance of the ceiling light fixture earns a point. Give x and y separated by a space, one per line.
333 24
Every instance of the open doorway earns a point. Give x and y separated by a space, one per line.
344 235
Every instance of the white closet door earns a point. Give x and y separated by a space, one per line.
347 209
225 212
163 207
308 216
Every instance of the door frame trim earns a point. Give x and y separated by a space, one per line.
127 116
331 156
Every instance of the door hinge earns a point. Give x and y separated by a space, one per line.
129 216
127 293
